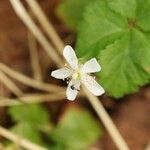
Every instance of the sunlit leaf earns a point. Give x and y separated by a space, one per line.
76 130
28 131
33 114
30 121
116 35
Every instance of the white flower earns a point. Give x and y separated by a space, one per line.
78 74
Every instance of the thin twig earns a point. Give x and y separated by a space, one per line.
37 73
29 81
22 142
24 16
10 84
33 98
108 123
46 24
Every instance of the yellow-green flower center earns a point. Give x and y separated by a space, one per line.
76 75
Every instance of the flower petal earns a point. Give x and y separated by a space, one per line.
61 73
72 89
92 85
91 66
70 56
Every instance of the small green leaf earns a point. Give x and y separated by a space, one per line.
31 121
116 34
77 130
70 11
29 132
33 114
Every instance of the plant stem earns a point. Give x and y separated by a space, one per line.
37 73
21 141
107 121
24 16
46 24
29 81
10 85
32 98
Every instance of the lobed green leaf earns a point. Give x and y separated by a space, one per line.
117 33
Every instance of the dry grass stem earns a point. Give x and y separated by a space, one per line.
33 98
46 24
25 17
37 73
10 85
21 141
29 81
108 123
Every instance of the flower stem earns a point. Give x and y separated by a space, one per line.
107 121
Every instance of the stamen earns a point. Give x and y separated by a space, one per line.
67 80
76 75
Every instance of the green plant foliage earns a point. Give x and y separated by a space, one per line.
126 8
117 33
77 130
70 11
30 121
29 132
33 114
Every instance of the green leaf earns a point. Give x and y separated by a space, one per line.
124 62
31 121
70 11
143 14
100 27
77 130
33 114
116 34
29 132
126 8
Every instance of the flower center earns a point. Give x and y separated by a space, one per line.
76 75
